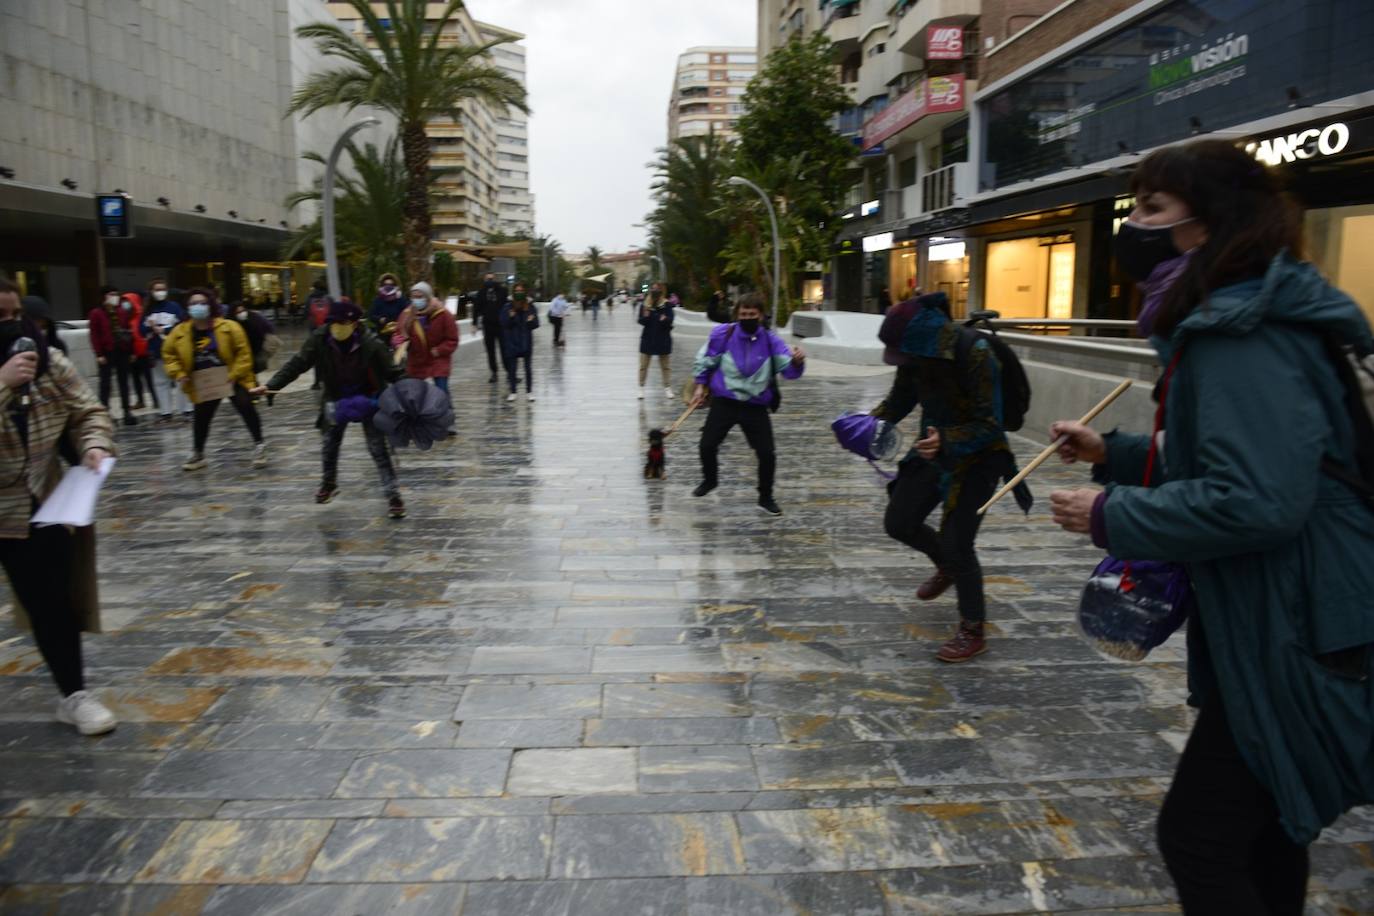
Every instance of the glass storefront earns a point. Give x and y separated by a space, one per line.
1031 277
947 272
901 270
1339 240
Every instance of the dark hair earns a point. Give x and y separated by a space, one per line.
752 301
9 286
209 295
106 289
1249 219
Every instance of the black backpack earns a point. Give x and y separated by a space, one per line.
1016 389
1355 367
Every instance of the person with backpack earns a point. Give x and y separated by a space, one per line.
1262 488
486 317
743 392
954 375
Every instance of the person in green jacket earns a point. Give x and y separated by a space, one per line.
1280 552
354 367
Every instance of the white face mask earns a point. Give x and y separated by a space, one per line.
419 302
242 315
159 294
199 310
112 300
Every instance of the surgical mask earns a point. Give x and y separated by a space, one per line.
112 300
419 303
199 311
1139 249
342 331
749 325
159 294
126 306
241 315
388 288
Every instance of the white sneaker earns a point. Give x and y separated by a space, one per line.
196 462
668 393
641 393
531 396
260 455
87 713
510 397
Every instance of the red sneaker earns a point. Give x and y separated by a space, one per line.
935 586
967 642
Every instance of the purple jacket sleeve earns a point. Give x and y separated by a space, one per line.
782 352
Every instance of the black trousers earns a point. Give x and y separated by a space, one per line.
376 447
725 414
513 372
116 364
557 322
41 576
205 413
142 370
1219 830
917 492
491 339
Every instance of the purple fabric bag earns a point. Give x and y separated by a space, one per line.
357 408
868 437
1129 608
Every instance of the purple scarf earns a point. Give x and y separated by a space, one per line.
1155 287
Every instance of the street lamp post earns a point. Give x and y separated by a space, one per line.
331 254
658 246
738 182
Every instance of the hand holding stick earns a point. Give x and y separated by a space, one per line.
680 420
1053 446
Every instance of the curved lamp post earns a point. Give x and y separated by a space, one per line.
662 271
739 182
658 246
331 254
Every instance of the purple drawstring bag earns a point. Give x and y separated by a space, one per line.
357 408
869 438
1128 608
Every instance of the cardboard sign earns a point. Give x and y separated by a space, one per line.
211 384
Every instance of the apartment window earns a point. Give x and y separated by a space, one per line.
741 76
718 91
734 90
736 108
906 172
717 58
717 76
512 157
694 58
877 49
744 58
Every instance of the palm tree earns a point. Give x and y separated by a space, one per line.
403 70
689 189
594 256
370 230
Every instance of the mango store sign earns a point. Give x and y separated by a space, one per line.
1312 143
933 95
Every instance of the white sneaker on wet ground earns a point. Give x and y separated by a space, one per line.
88 714
668 393
510 397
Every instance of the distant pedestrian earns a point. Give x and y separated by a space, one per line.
354 367
37 310
51 568
486 317
387 305
738 368
656 339
558 311
718 308
210 359
262 336
317 303
518 323
163 314
884 300
112 343
140 365
430 335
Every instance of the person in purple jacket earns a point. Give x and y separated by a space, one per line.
739 365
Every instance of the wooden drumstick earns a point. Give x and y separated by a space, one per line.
1053 446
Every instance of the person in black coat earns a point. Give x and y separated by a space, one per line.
486 317
656 317
37 310
519 319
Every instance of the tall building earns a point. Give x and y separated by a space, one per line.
708 91
180 107
466 153
515 203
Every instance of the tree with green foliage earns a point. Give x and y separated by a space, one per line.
405 70
788 145
689 191
369 228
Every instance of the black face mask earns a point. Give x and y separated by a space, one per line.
749 325
1140 249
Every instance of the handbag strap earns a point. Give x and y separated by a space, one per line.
1159 416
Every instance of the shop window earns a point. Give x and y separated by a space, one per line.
1031 277
1340 239
948 272
906 172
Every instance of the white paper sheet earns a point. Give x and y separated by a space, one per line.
73 502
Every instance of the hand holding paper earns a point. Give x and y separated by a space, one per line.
73 502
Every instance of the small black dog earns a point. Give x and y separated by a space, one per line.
653 464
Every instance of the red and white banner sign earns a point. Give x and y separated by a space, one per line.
944 42
931 96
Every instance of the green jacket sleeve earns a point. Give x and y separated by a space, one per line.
1127 454
1254 462
902 399
293 368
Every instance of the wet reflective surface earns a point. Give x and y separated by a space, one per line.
559 688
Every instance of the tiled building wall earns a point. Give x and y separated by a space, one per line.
1001 19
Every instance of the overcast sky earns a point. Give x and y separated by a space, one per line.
600 72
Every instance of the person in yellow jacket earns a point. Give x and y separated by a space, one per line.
209 357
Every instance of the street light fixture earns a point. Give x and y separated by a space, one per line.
738 182
331 255
658 246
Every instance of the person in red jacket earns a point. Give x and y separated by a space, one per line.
431 336
140 364
112 341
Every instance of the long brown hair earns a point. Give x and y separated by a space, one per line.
1249 219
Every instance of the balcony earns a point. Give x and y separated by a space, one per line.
910 36
843 27
944 188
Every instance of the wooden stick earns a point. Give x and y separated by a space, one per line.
1053 446
680 420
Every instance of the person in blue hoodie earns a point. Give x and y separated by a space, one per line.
1246 492
164 313
519 320
738 367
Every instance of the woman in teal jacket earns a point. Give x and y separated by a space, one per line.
1280 554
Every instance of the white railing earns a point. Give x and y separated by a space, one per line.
941 188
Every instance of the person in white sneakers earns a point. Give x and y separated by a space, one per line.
51 568
656 317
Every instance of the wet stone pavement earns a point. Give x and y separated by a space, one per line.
557 688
